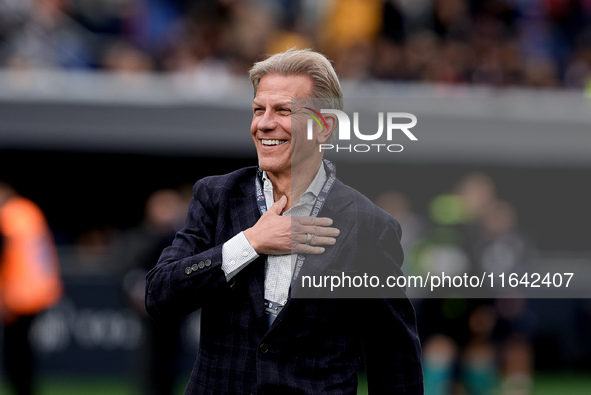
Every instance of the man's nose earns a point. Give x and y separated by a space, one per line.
268 121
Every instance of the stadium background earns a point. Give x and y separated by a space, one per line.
103 103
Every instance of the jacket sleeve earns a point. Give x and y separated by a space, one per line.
189 271
390 342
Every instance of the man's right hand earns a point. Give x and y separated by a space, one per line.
275 234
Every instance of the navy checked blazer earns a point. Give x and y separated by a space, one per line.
314 346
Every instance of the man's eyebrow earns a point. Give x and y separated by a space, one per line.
281 104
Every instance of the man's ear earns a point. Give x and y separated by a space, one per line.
331 122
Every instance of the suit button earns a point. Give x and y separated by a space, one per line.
188 270
264 348
194 267
207 262
201 265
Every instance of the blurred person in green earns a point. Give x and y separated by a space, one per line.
475 345
29 282
455 329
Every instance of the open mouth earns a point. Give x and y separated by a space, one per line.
269 143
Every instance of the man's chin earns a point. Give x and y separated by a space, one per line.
273 168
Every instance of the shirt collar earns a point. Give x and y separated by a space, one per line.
315 186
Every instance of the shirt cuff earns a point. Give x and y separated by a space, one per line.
236 254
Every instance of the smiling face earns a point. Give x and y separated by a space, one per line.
278 149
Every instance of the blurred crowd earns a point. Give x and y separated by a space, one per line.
534 43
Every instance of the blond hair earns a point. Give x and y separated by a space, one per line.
303 62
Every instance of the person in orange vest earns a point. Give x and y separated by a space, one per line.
29 281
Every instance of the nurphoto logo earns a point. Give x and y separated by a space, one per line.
393 127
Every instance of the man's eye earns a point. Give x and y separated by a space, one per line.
258 111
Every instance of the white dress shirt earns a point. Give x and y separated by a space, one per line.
238 252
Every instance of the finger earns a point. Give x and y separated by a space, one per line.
319 231
314 221
307 249
322 241
315 240
278 206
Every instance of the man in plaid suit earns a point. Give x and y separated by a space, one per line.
250 233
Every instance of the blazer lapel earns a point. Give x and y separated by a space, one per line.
337 201
256 290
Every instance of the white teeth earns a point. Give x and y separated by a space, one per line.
273 142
